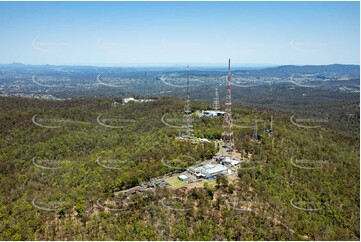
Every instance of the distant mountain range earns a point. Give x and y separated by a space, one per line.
280 71
349 69
288 70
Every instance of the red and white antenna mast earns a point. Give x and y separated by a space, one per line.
227 134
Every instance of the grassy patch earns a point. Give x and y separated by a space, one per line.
175 182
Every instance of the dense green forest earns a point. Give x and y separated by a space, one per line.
303 183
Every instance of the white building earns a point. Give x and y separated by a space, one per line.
209 171
230 161
132 99
183 178
212 113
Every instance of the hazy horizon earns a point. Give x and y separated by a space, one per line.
180 65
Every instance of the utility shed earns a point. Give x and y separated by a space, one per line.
183 178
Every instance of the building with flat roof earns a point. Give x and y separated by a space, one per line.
230 161
212 113
183 178
209 171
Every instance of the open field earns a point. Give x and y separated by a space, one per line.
201 184
175 182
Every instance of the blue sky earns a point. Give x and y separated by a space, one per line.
168 33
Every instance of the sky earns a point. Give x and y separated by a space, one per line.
177 33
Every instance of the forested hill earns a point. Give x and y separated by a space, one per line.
303 183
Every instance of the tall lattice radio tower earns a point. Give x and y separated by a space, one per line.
227 134
187 120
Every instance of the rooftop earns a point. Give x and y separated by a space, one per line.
183 177
211 169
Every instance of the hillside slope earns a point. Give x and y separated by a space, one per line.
303 183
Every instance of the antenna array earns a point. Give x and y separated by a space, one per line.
216 105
